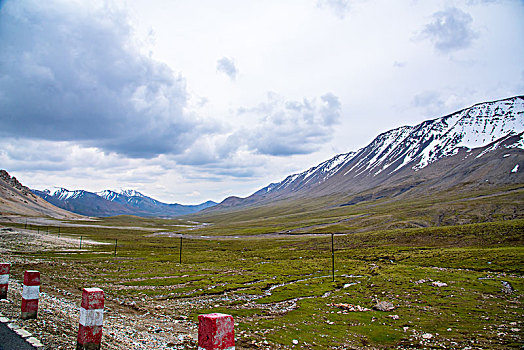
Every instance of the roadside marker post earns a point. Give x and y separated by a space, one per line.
4 279
30 294
216 332
91 319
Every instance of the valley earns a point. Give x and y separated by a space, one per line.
454 284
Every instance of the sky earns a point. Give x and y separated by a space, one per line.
188 101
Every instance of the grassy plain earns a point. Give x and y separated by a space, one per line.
453 269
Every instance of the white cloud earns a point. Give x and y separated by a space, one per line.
450 30
339 7
227 66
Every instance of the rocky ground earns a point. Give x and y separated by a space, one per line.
125 327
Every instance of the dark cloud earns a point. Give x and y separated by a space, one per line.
74 72
291 127
227 66
339 7
450 30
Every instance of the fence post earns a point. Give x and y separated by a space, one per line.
216 332
91 319
30 294
180 255
4 279
333 256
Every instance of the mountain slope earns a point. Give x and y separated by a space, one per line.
16 199
487 137
111 203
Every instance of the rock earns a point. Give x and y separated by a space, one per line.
395 317
506 287
439 284
295 341
427 336
384 306
349 307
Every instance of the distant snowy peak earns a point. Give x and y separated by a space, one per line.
114 195
64 194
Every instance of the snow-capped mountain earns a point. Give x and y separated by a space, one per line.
417 151
110 203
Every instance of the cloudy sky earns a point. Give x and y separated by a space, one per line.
187 101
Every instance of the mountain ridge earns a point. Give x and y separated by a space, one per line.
111 203
403 151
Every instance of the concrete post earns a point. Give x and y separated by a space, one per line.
30 294
4 279
216 332
91 319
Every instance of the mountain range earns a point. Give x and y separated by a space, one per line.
17 199
111 203
479 146
475 148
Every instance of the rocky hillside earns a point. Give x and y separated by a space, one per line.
16 199
477 146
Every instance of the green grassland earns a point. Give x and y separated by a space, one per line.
445 263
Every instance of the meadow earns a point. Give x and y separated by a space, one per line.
453 271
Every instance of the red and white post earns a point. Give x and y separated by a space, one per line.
4 279
91 319
216 332
30 294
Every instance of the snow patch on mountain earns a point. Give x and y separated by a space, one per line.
64 194
423 144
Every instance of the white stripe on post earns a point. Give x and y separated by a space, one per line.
4 279
31 292
91 318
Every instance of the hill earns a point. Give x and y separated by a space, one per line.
16 199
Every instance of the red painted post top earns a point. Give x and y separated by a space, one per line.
216 332
32 278
4 268
92 298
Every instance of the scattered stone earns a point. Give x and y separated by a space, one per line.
395 317
384 306
405 329
439 284
427 336
295 341
449 329
506 287
349 307
515 329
